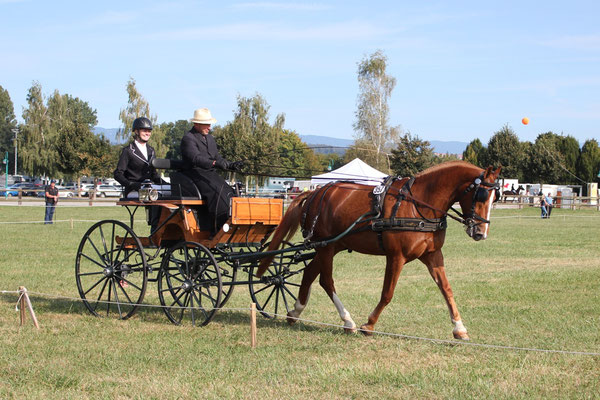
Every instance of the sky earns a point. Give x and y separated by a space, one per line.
464 69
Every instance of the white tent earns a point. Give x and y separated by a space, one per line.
356 171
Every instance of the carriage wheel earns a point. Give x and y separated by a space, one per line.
228 277
275 293
189 284
111 270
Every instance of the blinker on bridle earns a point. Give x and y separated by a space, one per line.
481 192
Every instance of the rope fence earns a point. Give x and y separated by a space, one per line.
24 299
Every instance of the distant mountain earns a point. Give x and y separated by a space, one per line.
321 144
451 147
339 145
110 134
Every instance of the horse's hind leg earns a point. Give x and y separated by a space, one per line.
435 265
393 268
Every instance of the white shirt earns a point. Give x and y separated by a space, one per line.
143 148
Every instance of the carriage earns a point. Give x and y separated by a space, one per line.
403 219
195 272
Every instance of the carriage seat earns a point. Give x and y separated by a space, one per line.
182 186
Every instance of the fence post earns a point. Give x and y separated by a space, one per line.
253 325
20 196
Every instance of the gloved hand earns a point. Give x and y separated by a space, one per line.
236 166
134 186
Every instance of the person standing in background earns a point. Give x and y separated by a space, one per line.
51 200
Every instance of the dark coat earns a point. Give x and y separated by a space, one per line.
134 167
200 151
201 159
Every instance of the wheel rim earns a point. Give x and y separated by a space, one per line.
189 284
276 292
111 270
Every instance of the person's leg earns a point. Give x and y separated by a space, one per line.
51 215
47 214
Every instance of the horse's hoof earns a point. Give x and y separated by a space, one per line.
365 330
461 335
290 319
350 331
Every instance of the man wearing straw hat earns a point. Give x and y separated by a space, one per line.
202 159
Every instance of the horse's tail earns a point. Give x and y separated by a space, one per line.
288 226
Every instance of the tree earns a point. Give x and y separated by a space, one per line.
7 124
411 156
568 146
505 149
137 106
174 132
588 164
72 121
37 152
372 111
251 137
544 160
475 153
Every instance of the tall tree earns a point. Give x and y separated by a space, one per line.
412 155
568 146
174 132
137 106
252 138
7 124
474 153
544 160
504 148
588 164
372 112
37 151
72 119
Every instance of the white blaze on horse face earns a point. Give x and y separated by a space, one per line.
344 314
486 228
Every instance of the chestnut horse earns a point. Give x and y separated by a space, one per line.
330 210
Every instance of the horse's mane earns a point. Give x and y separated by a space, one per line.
447 165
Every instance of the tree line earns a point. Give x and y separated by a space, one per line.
56 139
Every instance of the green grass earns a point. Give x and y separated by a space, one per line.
533 283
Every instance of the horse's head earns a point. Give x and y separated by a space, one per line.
476 202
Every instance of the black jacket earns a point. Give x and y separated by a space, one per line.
199 151
134 167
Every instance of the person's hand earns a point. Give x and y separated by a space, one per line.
236 166
221 164
135 186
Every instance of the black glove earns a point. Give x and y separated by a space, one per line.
236 166
134 186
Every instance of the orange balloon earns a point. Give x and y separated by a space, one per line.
525 121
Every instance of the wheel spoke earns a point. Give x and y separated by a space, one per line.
96 284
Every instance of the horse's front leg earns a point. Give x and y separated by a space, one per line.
326 282
435 263
393 267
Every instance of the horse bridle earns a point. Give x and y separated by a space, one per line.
481 192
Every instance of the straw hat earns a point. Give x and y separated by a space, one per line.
202 116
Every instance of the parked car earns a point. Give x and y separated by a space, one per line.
108 191
13 190
85 188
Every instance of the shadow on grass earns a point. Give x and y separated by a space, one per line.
234 318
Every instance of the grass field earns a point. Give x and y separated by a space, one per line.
533 284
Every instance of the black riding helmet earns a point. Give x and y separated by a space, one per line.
141 123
